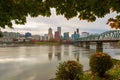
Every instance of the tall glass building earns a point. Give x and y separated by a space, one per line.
66 35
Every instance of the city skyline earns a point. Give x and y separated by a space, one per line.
40 25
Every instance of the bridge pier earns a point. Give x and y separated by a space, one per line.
87 45
99 47
81 44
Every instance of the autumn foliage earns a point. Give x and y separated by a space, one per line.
114 22
70 70
100 63
16 11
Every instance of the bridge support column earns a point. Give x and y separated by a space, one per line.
99 47
87 45
81 44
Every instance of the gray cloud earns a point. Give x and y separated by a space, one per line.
40 25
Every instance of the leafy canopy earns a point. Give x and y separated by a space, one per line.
18 10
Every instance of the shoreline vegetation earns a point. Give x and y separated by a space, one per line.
112 74
30 44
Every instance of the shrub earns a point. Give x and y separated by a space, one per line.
70 70
100 63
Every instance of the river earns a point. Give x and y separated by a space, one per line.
40 62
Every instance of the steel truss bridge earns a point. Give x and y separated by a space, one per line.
108 36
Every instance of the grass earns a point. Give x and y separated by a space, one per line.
112 74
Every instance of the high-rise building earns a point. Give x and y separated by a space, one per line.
46 37
57 38
66 35
27 35
77 31
50 34
75 36
59 30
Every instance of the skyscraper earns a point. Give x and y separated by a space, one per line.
50 34
77 30
27 35
66 35
76 35
57 38
59 30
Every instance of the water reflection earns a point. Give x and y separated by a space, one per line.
50 53
58 52
39 62
77 53
66 50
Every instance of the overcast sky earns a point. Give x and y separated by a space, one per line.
40 25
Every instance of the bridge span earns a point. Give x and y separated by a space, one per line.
99 39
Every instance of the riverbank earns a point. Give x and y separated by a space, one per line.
47 43
112 74
29 44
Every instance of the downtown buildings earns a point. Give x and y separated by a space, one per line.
50 36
